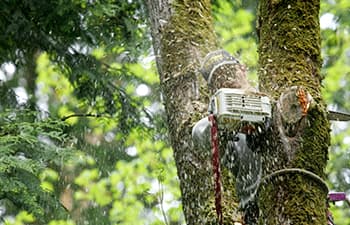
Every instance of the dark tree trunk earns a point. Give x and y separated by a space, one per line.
296 147
183 34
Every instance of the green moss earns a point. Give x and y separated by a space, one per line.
313 152
289 50
302 199
186 38
289 55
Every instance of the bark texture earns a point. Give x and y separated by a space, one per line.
183 34
294 148
290 61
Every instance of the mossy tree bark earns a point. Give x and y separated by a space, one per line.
183 34
295 146
289 55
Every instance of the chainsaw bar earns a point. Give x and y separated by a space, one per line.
338 116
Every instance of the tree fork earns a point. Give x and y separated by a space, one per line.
183 34
289 55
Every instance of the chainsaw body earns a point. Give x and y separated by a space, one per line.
236 107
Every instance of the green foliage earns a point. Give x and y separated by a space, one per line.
78 58
335 49
133 192
336 45
28 145
61 222
82 39
56 26
90 57
107 139
20 219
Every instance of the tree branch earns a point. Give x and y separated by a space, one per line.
82 115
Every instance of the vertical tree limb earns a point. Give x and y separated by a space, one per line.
183 34
289 55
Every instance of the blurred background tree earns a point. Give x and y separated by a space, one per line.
335 27
85 66
83 135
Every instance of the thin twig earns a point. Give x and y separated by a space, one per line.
80 115
161 198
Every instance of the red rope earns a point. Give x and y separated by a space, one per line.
216 165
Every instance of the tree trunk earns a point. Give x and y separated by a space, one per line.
295 146
289 55
183 34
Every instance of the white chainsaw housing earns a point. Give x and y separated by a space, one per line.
232 106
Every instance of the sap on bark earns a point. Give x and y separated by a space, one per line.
292 106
